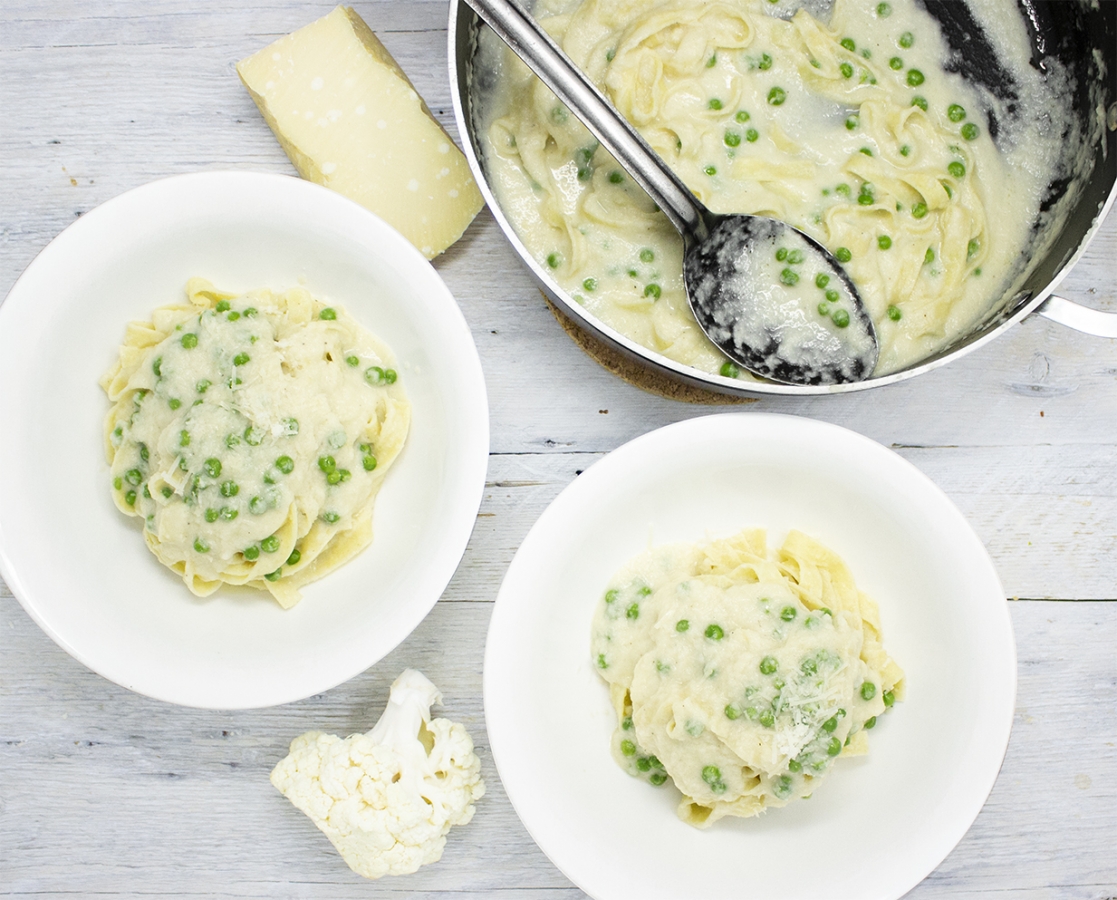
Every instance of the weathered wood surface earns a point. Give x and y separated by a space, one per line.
105 792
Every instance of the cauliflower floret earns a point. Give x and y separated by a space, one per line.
386 799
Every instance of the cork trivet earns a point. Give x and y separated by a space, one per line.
635 374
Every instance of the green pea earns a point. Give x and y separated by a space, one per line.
326 463
710 170
270 544
868 690
907 39
251 553
905 150
643 764
157 366
611 595
781 254
257 506
929 256
233 316
130 498
231 440
202 386
765 62
834 747
870 722
368 461
590 284
712 61
821 280
249 312
767 718
711 775
832 295
189 341
174 403
777 96
253 436
184 438
118 482
789 277
852 122
915 78
884 10
200 546
842 189
795 766
788 613
868 54
884 242
823 309
732 711
895 63
229 489
626 723
895 313
841 319
714 103
222 305
955 113
715 632
809 666
657 778
795 257
682 625
227 514
212 467
919 210
921 102
554 260
653 290
972 248
133 477
742 116
274 576
294 558
751 135
768 665
333 477
866 150
628 748
846 69
329 314
970 131
732 139
633 611
889 697
616 177
729 370
956 169
601 663
211 514
865 195
849 44
285 464
830 724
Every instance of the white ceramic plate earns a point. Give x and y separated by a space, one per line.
81 569
878 824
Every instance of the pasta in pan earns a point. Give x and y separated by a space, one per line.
740 674
850 130
251 434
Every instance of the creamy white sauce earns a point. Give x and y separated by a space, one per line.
761 109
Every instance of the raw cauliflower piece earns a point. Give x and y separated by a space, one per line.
386 799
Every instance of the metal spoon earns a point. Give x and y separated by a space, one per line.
770 313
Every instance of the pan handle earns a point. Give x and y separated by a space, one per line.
1079 317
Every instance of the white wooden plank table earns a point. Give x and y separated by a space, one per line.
103 792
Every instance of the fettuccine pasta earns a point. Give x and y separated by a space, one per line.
739 673
849 130
251 434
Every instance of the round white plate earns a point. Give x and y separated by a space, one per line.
878 824
81 569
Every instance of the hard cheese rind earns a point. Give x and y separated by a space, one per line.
349 119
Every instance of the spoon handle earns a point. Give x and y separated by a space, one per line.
543 56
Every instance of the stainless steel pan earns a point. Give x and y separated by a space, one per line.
1075 34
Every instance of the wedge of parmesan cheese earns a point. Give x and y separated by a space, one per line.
349 119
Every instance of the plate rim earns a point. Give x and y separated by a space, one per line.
474 449
499 723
